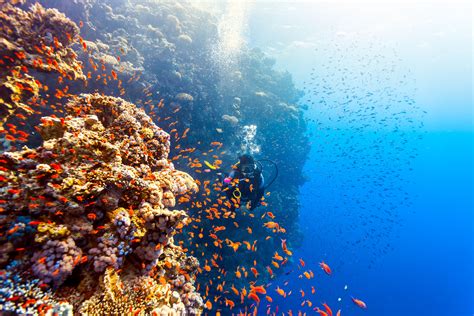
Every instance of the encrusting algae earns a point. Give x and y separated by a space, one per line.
95 201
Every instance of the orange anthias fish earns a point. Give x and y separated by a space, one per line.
270 271
238 274
328 309
359 303
229 303
283 245
236 292
254 296
258 289
254 271
320 312
280 291
325 267
277 256
271 225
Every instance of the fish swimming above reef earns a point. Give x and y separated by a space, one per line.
115 227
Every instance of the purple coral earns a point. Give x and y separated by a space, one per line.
55 262
106 254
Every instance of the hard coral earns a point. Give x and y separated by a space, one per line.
34 300
36 40
96 194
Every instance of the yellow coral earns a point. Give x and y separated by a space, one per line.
141 230
112 284
15 89
47 231
147 133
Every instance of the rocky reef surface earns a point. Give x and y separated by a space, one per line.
37 40
88 213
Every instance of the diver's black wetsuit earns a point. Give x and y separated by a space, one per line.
251 188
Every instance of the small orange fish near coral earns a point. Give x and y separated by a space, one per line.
320 312
283 245
91 216
328 309
280 292
254 271
258 289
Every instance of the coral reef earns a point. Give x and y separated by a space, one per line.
33 41
96 197
32 295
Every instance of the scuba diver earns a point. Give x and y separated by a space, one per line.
246 183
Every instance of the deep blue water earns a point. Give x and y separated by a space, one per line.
429 270
429 267
395 225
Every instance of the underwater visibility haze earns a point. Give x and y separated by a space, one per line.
236 157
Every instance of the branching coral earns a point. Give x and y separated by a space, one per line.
95 196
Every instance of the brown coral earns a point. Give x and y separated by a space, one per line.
35 40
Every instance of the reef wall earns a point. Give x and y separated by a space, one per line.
87 218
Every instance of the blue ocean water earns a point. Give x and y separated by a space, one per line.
428 270
391 212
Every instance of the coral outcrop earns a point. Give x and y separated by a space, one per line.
33 41
89 213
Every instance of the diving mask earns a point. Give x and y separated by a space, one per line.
248 170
